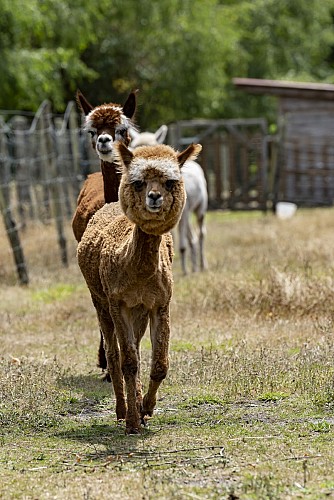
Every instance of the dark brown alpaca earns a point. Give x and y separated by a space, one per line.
107 124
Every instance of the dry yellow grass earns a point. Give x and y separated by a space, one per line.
247 408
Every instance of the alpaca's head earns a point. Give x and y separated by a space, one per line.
151 192
107 124
148 138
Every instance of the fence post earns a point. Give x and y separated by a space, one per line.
64 165
19 126
9 222
47 145
74 141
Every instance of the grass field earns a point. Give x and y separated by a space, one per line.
247 409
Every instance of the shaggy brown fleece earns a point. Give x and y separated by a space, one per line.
125 256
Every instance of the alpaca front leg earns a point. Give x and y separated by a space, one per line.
160 332
130 371
115 371
140 321
122 317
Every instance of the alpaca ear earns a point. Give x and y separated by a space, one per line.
123 154
133 133
83 104
190 153
160 134
129 107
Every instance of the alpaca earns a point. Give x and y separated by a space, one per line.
197 200
125 256
106 124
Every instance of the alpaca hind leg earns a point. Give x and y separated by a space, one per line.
183 241
202 234
160 331
102 359
113 362
192 241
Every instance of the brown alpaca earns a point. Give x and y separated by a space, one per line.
106 124
125 256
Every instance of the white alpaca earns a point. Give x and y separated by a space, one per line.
197 200
125 256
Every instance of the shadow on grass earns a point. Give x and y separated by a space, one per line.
90 408
107 442
88 385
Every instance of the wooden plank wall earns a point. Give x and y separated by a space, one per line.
306 165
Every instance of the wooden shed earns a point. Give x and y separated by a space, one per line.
305 165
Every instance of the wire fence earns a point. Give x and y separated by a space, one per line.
44 158
43 161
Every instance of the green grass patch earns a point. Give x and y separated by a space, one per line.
58 292
273 396
203 400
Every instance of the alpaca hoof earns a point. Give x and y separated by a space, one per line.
106 377
145 410
145 420
132 430
146 413
120 413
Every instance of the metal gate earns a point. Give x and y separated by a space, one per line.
234 159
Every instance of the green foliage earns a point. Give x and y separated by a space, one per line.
41 43
323 426
181 54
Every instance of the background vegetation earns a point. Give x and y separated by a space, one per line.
181 54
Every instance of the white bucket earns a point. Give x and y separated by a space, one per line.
285 209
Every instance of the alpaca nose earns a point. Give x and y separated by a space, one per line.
154 195
104 139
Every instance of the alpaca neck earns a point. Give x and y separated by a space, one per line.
143 250
111 180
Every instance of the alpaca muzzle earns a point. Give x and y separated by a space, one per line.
154 201
104 147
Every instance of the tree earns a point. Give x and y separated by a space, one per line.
181 54
177 56
40 46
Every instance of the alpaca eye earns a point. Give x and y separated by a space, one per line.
169 184
121 131
138 185
92 132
